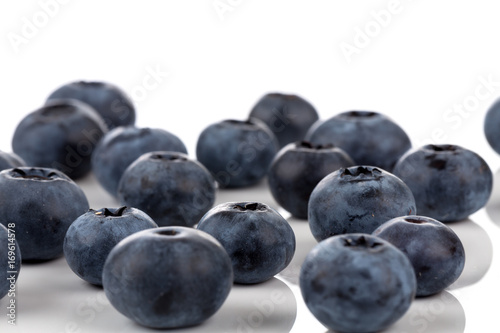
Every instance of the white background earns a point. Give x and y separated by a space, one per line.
423 63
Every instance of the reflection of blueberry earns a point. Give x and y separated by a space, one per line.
238 153
42 204
258 239
435 251
270 307
10 259
61 135
122 146
10 160
169 187
288 116
370 138
168 277
114 106
357 200
357 283
298 168
91 237
449 182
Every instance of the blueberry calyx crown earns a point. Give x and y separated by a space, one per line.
360 114
168 157
360 173
35 174
435 155
361 242
252 206
310 145
169 232
441 148
89 83
239 122
415 220
111 212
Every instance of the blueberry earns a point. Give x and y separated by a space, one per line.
357 283
298 168
169 187
357 200
238 153
288 116
168 277
258 239
435 251
112 103
10 160
41 203
122 146
92 235
491 125
370 138
10 260
61 135
449 182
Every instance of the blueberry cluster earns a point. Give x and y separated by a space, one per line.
354 177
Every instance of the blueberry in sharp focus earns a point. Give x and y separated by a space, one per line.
10 259
259 241
111 102
288 116
169 187
298 168
168 277
357 283
449 182
370 138
357 200
10 160
122 146
435 251
61 135
41 203
238 153
92 235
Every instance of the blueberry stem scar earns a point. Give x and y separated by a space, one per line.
118 212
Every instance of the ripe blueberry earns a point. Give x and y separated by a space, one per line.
168 277
435 251
491 125
449 182
370 138
237 153
169 187
41 203
10 259
259 241
357 200
357 283
92 235
298 168
122 146
10 160
112 103
288 116
61 135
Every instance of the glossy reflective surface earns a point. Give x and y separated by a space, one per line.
51 298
